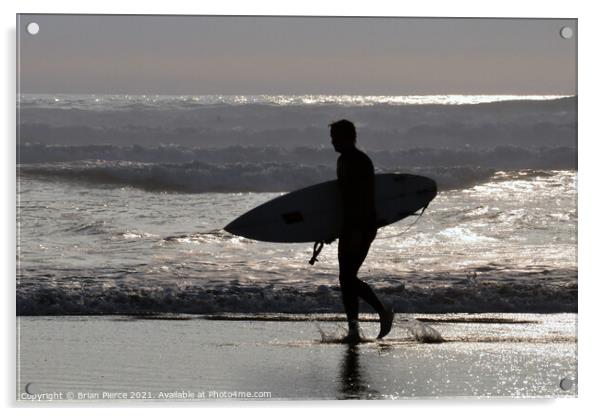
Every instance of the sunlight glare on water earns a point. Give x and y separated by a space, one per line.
114 101
515 221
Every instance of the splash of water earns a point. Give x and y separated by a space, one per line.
422 332
417 330
337 336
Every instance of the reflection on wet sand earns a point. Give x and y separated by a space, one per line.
352 379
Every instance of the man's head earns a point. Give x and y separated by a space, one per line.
343 135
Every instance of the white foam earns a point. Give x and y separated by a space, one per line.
135 297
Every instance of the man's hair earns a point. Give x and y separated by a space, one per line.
343 129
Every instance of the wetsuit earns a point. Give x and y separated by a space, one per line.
355 174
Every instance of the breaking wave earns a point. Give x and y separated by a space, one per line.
241 169
499 157
535 297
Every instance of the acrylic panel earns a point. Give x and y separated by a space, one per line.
445 255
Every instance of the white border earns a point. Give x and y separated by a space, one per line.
457 8
589 137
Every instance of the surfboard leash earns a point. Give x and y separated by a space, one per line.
318 245
409 226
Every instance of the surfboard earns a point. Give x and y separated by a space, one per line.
314 213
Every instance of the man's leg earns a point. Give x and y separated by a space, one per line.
364 290
348 255
353 249
348 288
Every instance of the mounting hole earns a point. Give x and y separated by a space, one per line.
33 28
30 388
566 32
566 384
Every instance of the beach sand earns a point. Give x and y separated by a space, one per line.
279 357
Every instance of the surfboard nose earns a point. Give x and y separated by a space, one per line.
232 226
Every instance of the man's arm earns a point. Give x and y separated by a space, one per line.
343 183
348 189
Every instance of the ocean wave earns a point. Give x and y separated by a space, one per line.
270 169
499 157
500 296
199 177
195 177
380 126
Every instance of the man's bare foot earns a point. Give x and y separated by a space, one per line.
353 336
386 322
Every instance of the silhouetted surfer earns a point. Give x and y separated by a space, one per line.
355 174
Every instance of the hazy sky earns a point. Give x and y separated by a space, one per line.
295 55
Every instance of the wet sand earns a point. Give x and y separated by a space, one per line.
280 357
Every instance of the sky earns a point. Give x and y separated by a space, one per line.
294 55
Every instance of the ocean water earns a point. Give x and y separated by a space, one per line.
121 201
